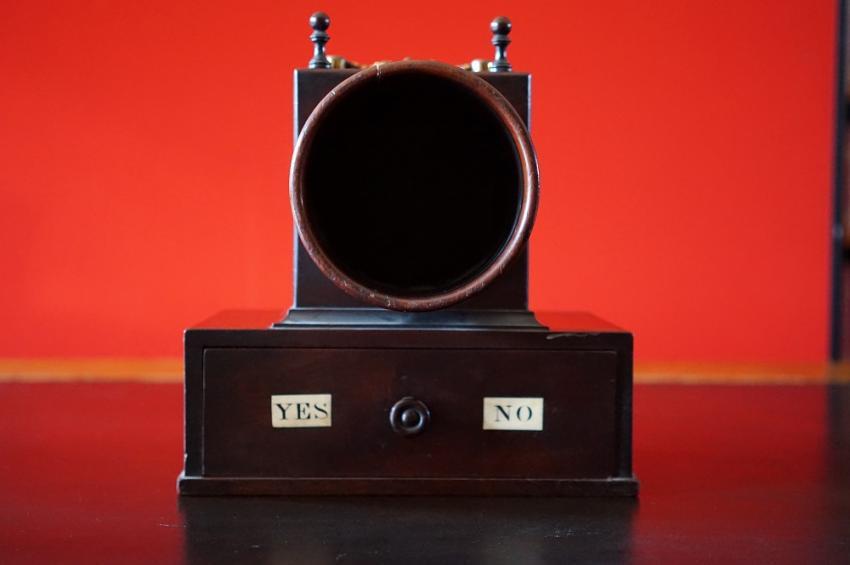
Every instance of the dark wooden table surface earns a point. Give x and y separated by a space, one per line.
728 474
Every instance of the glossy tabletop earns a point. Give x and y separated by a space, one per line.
751 474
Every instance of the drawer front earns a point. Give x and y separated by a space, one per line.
577 388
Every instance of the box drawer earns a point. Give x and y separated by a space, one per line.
578 436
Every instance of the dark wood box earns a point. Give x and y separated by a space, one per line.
581 367
313 403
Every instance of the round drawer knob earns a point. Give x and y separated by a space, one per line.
409 416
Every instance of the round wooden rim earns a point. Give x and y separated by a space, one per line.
529 174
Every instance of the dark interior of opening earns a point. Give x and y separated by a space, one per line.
412 184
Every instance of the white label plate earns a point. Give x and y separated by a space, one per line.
513 413
301 410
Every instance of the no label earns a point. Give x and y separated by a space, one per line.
513 413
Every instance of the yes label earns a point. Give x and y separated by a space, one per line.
301 411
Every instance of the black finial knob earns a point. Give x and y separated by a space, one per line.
320 22
500 27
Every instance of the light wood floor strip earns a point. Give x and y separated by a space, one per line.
742 373
104 370
171 370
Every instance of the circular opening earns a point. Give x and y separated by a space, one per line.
411 184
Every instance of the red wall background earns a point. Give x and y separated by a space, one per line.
685 154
